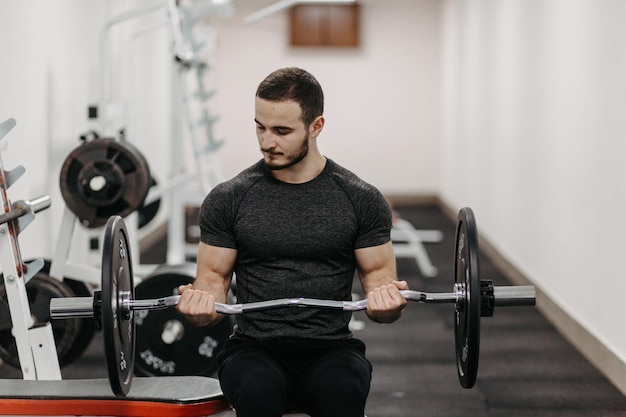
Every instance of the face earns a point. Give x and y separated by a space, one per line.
283 138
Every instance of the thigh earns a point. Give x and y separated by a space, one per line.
253 382
336 384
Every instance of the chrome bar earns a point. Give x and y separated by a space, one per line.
512 296
291 302
40 203
435 298
155 304
83 306
333 304
70 307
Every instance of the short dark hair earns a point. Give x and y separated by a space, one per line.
294 84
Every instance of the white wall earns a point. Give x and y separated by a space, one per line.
46 79
382 99
534 142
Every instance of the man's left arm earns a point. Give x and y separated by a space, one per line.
377 271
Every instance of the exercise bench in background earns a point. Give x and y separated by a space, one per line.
408 242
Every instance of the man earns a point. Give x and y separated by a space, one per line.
295 224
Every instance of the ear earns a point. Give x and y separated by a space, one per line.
315 128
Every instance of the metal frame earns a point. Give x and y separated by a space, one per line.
35 345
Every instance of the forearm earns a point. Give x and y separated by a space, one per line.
214 284
377 271
213 278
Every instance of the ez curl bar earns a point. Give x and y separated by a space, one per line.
112 307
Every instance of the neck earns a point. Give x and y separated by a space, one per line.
304 171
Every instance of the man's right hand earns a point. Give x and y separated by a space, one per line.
197 306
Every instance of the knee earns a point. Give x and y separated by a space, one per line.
255 393
353 390
338 400
337 389
255 386
256 397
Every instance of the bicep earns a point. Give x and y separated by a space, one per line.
376 266
215 268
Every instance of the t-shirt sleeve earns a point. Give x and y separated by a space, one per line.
216 219
375 219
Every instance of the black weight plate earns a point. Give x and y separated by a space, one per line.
467 310
166 343
102 178
118 328
40 289
146 213
86 326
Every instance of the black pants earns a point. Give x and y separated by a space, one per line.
322 379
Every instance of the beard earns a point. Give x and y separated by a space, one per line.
291 160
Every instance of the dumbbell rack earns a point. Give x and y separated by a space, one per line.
34 341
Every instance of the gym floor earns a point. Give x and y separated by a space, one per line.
526 367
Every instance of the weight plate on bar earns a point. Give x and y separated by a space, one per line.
467 309
40 289
167 344
118 327
102 178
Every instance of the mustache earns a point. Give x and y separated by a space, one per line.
271 152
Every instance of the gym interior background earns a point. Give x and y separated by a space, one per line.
512 108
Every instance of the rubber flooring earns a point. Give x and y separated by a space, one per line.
526 367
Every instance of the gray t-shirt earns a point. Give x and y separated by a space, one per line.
295 240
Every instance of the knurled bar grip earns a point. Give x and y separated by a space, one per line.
77 307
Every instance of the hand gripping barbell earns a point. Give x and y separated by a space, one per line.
112 307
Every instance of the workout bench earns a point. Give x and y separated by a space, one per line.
184 396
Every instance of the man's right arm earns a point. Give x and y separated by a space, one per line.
215 270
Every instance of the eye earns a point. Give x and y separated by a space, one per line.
283 131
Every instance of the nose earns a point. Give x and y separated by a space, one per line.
267 140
